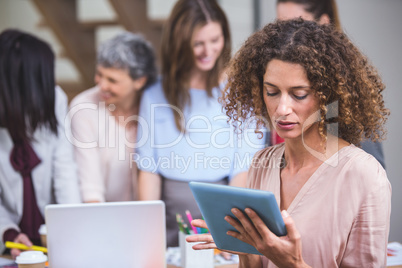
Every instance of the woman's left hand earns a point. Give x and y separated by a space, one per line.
205 241
283 251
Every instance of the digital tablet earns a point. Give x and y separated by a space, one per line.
216 201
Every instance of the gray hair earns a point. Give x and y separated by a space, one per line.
131 52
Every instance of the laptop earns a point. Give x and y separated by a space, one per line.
104 235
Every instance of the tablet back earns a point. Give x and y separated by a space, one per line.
216 201
115 234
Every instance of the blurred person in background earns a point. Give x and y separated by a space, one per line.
188 137
37 166
104 119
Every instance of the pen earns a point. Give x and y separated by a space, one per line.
186 228
10 244
178 219
190 219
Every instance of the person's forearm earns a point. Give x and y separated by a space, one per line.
149 186
10 234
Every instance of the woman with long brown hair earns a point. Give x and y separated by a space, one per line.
184 135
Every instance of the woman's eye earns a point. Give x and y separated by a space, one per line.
112 81
270 94
300 97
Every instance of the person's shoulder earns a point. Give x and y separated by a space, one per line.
266 162
275 150
358 157
85 107
155 90
87 96
363 165
269 156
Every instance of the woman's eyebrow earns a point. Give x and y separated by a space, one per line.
269 84
295 87
300 87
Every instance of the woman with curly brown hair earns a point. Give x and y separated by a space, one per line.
322 12
315 88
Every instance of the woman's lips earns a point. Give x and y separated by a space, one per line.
285 125
205 59
105 95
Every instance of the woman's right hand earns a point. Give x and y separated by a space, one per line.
23 239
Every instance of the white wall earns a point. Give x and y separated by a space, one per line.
375 26
378 33
240 17
22 15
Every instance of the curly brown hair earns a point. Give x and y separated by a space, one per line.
336 69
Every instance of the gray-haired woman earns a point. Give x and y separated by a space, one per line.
104 119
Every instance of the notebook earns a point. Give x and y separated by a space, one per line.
103 235
216 201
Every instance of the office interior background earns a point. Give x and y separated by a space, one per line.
373 25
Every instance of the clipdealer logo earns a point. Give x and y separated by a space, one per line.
220 137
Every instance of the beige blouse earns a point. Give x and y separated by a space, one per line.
342 212
103 151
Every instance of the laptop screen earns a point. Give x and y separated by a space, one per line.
114 234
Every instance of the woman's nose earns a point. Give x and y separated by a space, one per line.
284 106
102 84
207 51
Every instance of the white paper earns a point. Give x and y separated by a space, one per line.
4 261
394 252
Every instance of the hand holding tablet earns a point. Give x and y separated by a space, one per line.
217 201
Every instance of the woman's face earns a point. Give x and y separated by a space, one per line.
207 44
116 85
290 102
289 10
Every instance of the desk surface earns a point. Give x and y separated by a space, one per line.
221 266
